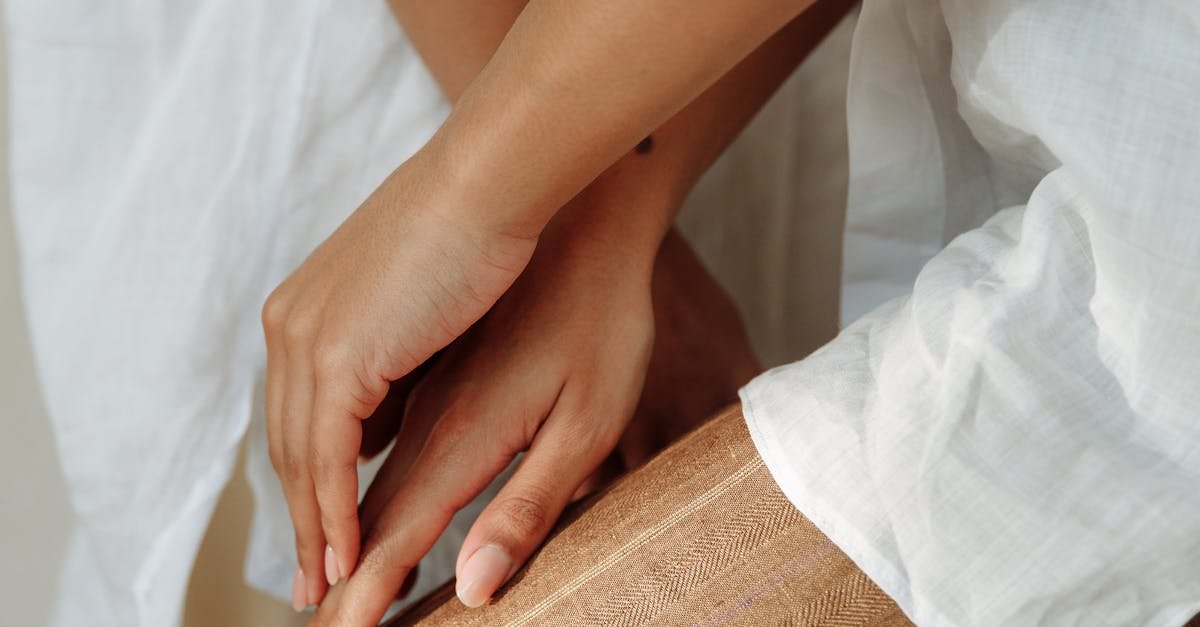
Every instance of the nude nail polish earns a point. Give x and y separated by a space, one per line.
332 572
298 594
482 574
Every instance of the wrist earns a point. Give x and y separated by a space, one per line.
471 187
638 197
615 225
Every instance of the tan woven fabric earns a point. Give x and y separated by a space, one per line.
699 536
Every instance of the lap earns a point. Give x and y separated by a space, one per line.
699 535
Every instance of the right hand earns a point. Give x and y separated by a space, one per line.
401 278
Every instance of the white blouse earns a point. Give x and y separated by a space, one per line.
1013 437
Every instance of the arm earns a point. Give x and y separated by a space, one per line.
613 228
564 134
575 85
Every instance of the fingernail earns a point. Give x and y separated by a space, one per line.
483 573
298 598
331 566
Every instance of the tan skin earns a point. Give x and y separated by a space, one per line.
422 260
700 358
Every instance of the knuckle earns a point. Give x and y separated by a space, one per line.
329 357
327 464
381 558
294 467
338 518
587 432
307 545
523 517
367 392
298 326
275 310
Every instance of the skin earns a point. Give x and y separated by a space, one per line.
700 358
448 233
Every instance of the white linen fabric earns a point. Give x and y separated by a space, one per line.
172 161
1014 437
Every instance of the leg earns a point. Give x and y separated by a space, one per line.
700 535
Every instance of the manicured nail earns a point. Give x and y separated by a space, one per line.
482 575
298 596
332 575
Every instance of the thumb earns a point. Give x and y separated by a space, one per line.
516 522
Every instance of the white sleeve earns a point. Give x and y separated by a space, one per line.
1017 441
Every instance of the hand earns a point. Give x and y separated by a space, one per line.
701 357
400 279
380 428
554 369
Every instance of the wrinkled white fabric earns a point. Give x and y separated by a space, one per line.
1014 437
172 161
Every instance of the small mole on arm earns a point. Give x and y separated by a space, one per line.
645 146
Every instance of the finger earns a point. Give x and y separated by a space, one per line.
273 314
383 425
564 452
296 480
459 459
428 400
326 614
334 440
414 432
274 396
276 375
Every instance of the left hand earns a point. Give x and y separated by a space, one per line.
410 270
554 369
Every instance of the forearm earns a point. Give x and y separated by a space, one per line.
658 174
573 86
458 40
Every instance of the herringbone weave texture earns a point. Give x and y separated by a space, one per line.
699 536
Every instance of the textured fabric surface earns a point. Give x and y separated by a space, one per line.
701 535
1014 439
